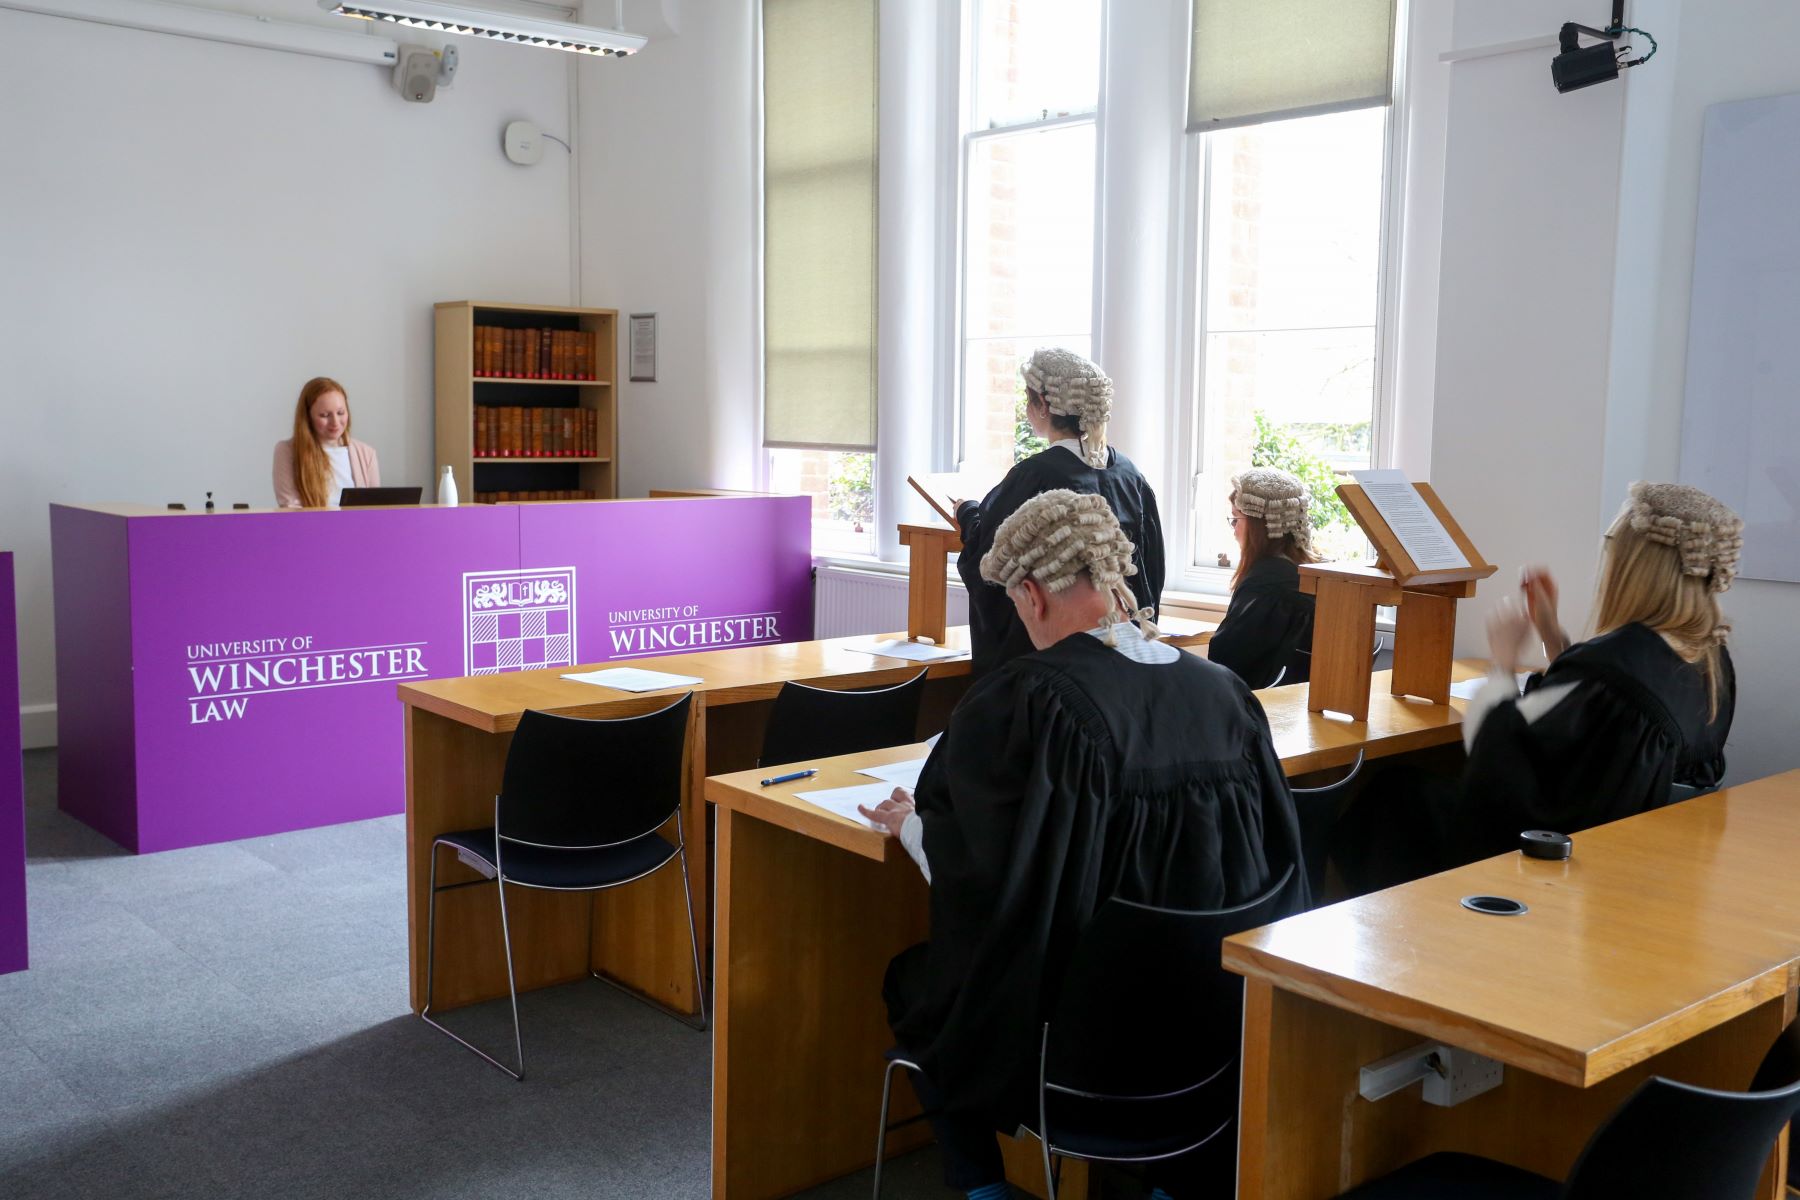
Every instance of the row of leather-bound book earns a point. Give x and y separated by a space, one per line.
536 432
535 353
513 497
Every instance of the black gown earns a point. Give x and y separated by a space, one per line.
1637 721
1068 777
1268 626
995 634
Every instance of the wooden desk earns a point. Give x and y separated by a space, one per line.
810 908
457 734
1669 945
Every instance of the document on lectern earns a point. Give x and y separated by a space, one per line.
943 491
1418 529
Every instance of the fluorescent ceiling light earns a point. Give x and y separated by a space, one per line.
214 25
500 27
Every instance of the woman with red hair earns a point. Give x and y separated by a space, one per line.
313 467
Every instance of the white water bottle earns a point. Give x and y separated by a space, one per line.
447 489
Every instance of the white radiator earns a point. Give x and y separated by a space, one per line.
848 602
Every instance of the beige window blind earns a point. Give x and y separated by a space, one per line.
1264 60
819 244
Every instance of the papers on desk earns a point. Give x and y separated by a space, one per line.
1466 689
842 801
1421 534
900 774
633 679
912 651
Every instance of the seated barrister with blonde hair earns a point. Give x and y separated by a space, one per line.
1614 721
313 467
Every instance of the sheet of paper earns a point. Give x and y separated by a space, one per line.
842 801
900 774
633 679
1467 688
942 491
1421 534
911 651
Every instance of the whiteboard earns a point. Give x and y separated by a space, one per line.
1740 427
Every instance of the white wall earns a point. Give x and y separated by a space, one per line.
671 226
1530 205
1567 254
1710 52
189 230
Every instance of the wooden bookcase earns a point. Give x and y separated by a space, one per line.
460 392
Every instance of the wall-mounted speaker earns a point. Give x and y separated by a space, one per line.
416 74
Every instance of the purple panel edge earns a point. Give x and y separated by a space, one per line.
96 738
14 944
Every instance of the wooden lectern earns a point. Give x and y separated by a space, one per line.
927 579
1344 616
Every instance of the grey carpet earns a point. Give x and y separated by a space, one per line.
232 1021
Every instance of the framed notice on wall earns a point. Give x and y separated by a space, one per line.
643 347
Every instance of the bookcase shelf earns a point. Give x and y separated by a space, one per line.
544 382
540 462
460 393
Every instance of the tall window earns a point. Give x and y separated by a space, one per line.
1289 291
1028 209
842 487
820 79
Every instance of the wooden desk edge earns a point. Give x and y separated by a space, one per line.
808 822
881 669
1515 1049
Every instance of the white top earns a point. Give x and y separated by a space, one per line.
340 473
1072 445
1128 640
1501 687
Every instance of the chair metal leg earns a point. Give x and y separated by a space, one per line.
431 971
881 1130
692 1020
1052 1169
687 897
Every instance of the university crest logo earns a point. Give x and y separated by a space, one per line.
518 620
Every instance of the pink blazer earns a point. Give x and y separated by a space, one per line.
364 471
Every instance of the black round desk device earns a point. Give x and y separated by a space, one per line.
1494 906
1541 843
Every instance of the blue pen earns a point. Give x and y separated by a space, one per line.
806 774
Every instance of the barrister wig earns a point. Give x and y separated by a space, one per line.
1706 535
1058 536
1277 505
312 466
1072 386
1670 552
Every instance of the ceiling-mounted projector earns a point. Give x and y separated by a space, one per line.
499 27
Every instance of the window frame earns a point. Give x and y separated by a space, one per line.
1188 422
954 421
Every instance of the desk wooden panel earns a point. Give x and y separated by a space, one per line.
457 734
810 908
1669 944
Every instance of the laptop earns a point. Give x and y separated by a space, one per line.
365 497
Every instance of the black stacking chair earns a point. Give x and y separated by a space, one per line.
1687 791
1780 1067
579 808
1318 809
1669 1140
1119 1081
810 722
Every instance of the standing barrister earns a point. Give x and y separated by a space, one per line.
1068 400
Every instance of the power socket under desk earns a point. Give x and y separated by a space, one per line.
1450 1075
